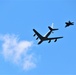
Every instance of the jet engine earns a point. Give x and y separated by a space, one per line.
37 38
55 40
49 41
34 35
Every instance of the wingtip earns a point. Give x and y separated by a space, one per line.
33 29
65 26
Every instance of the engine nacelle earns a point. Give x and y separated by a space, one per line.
34 35
55 40
37 38
49 41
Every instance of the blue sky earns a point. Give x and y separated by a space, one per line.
19 52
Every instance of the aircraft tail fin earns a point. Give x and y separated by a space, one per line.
72 23
51 27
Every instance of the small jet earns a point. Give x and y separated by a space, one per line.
69 23
45 38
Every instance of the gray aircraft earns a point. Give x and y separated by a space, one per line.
45 37
69 23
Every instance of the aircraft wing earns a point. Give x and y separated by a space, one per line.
54 38
38 34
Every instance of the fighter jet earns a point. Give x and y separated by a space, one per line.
45 37
69 23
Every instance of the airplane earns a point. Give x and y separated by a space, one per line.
45 38
69 23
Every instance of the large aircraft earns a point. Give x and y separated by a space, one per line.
45 37
69 23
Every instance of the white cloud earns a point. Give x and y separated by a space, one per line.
17 51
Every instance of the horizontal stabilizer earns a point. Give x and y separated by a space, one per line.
52 28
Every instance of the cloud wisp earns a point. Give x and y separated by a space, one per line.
18 51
